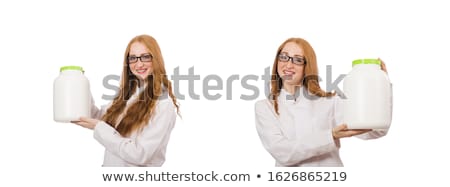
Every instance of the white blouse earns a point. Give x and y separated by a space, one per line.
301 134
142 148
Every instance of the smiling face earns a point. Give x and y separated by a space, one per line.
141 68
290 73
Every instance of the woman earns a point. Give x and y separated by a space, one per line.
300 124
136 128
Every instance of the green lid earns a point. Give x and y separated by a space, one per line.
366 61
64 68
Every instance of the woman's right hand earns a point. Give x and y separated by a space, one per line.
341 131
86 122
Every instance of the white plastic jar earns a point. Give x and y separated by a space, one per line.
368 95
71 95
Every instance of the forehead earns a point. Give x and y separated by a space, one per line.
138 48
292 48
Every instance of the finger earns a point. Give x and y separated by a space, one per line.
336 132
365 130
382 62
76 122
346 133
84 118
341 127
83 124
87 119
356 132
383 65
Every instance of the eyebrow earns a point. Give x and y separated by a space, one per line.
286 53
141 54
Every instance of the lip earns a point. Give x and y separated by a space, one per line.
289 73
141 71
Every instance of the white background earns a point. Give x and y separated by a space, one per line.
222 38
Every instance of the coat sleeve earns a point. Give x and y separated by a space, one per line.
289 152
155 135
96 112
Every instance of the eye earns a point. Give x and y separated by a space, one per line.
132 58
298 60
146 57
283 57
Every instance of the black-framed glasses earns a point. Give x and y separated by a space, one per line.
144 58
295 60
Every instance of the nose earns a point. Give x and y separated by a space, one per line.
139 62
290 63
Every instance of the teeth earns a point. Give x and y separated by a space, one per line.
288 72
141 70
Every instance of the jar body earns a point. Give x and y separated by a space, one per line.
71 96
368 95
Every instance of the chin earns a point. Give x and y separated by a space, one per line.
293 82
141 77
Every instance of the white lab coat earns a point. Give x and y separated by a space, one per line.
144 148
302 133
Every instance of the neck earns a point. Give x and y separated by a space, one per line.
291 88
142 83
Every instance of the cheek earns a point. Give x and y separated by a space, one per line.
150 67
299 71
132 67
279 68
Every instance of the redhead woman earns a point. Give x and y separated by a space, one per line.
300 124
135 128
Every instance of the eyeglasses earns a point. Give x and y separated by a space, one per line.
143 58
295 60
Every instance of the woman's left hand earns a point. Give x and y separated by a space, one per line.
87 122
383 65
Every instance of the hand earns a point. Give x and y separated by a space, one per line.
383 65
87 122
341 131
